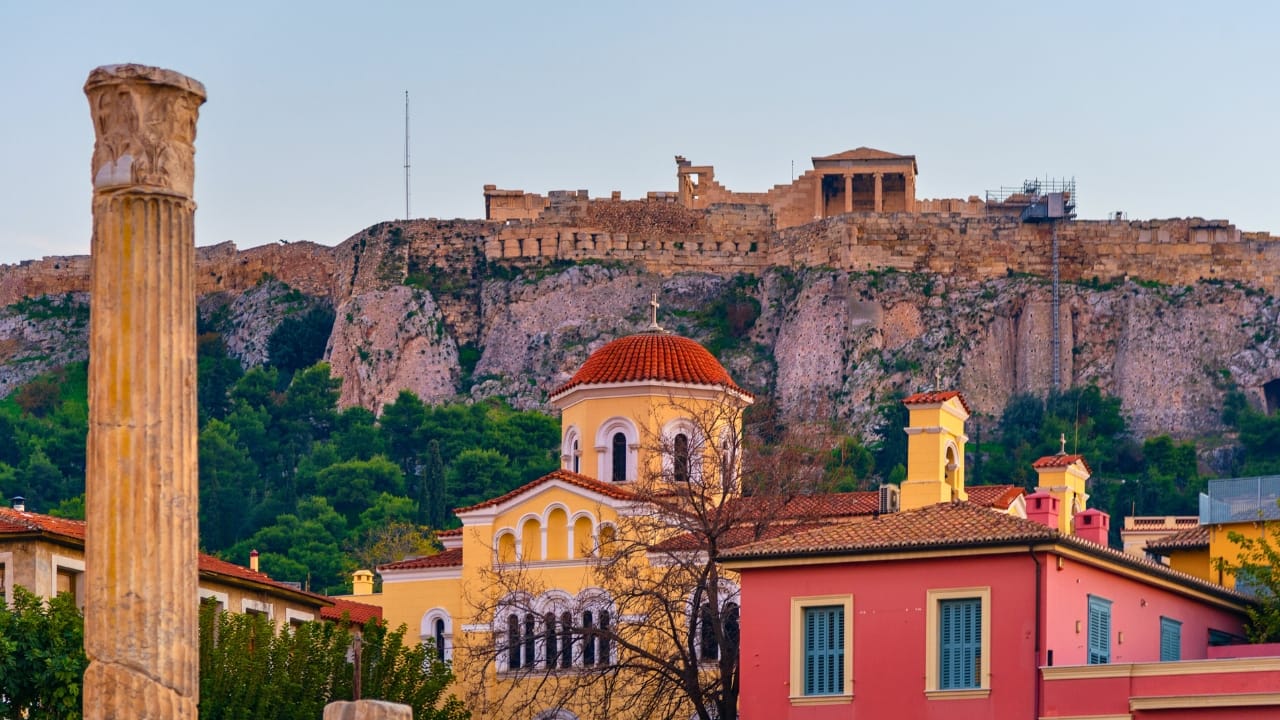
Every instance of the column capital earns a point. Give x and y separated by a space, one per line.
144 123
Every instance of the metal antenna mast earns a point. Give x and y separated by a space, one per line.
406 155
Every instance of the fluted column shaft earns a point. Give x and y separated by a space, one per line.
141 496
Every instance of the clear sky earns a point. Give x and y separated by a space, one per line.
1158 109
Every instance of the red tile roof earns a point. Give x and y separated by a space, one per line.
456 532
15 522
994 496
357 613
925 398
653 356
444 558
1052 461
944 526
1190 539
612 490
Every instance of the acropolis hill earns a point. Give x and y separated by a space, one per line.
842 287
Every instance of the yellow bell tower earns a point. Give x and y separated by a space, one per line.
1064 476
935 449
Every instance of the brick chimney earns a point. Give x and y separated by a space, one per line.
253 560
1042 507
1092 525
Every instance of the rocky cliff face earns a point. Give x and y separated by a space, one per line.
418 307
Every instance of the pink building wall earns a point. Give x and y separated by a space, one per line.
889 636
889 605
1136 609
1109 696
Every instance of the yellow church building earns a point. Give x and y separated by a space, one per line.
541 600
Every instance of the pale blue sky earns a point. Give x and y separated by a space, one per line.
1158 109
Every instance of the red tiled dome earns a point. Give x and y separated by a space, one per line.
653 356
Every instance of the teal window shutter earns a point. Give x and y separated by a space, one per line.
960 644
1099 630
824 650
1170 639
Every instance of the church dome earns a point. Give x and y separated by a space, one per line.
653 357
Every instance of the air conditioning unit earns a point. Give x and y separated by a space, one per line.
889 498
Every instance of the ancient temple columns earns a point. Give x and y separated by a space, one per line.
879 206
140 551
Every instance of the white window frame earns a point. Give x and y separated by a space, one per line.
221 598
6 560
604 448
248 606
568 453
427 630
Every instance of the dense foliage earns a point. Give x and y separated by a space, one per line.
285 472
246 670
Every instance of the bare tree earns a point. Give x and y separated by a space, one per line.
657 635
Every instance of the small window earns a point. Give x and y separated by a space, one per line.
619 457
577 457
551 639
602 638
680 458
824 650
1170 639
588 639
439 637
708 647
1099 630
960 644
732 630
566 640
530 641
513 642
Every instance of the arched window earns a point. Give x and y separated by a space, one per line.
680 458
513 642
616 443
708 646
619 457
438 630
577 456
732 627
551 639
506 547
602 637
530 641
566 639
588 639
571 450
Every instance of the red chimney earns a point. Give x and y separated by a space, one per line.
1043 508
1092 525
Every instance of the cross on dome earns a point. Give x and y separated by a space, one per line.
653 322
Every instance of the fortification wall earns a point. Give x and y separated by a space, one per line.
306 266
668 238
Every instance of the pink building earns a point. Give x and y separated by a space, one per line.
958 611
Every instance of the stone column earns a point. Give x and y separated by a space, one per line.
879 192
817 197
909 182
848 193
140 548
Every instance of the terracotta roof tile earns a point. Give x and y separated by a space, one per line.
653 356
942 525
994 496
444 558
949 525
456 532
925 398
612 490
13 521
1051 461
1189 539
357 613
